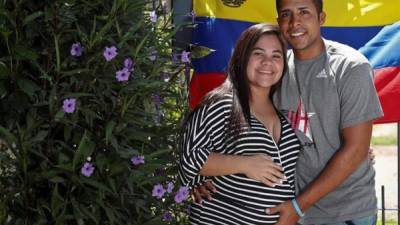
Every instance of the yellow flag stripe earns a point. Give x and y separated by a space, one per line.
340 13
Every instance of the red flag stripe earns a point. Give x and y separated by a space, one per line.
387 83
201 84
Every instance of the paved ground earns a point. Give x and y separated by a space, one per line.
386 174
386 169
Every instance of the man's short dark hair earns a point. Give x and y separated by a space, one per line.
318 5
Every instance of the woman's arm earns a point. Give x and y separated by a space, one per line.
259 167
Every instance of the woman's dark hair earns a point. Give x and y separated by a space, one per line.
236 83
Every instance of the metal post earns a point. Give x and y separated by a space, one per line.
181 12
383 203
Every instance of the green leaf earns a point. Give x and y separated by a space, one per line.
85 149
174 31
112 185
78 95
110 214
200 52
27 86
109 129
117 168
81 211
4 71
24 53
52 99
41 135
56 202
158 153
155 221
95 184
59 115
32 17
65 167
5 133
139 47
3 213
75 72
3 89
5 32
57 179
57 48
67 133
44 75
140 136
127 153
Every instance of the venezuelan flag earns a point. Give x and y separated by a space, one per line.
383 51
366 25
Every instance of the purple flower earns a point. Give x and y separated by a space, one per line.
76 49
137 160
159 172
123 75
182 194
153 16
189 210
174 58
69 105
87 169
110 53
153 55
185 57
128 63
167 217
157 99
158 191
170 187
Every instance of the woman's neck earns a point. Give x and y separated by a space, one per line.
260 100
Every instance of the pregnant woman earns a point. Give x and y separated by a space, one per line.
238 139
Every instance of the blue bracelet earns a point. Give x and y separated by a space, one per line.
297 208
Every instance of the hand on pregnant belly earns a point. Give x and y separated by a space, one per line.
262 168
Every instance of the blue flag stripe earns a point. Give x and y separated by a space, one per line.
221 35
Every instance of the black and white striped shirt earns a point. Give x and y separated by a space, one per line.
239 199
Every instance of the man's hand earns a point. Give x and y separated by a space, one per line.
287 214
203 191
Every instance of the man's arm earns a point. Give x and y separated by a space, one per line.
356 141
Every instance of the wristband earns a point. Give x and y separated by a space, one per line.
297 208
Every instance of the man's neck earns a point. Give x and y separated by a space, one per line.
311 52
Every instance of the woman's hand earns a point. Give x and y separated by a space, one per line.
262 168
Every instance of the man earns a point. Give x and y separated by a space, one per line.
329 96
331 101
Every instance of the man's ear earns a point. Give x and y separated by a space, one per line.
322 17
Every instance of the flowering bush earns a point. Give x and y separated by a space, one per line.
91 96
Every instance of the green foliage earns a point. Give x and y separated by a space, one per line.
388 222
43 148
384 140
